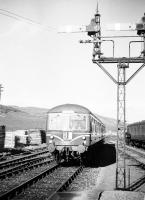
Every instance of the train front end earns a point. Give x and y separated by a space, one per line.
68 132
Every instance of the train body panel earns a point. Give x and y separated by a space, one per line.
136 133
73 128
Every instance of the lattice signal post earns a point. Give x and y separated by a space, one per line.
94 31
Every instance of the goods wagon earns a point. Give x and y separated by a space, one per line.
136 134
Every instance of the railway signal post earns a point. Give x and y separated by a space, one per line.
123 63
121 82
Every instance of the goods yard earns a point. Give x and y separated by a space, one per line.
52 180
40 171
74 158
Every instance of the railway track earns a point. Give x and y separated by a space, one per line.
47 183
137 154
135 171
86 180
25 165
14 184
16 161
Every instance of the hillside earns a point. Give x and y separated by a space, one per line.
15 118
109 122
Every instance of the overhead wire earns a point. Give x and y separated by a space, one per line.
25 19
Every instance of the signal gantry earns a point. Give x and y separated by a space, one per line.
121 82
123 63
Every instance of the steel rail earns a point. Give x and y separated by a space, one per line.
66 184
136 157
8 163
20 162
136 184
17 190
29 165
140 153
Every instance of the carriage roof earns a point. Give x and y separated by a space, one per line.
73 107
137 123
70 107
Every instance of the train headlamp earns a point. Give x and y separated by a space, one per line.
84 143
51 137
84 138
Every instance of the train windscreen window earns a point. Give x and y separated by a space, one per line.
58 121
67 122
77 122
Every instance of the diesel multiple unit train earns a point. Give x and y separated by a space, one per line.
136 134
71 129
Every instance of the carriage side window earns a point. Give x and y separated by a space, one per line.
93 126
96 128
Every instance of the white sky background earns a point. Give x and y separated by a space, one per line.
44 69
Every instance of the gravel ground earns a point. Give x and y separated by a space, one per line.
86 180
42 189
135 171
99 179
9 183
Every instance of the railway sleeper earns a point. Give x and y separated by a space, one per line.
17 190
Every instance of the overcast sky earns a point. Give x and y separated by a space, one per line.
44 68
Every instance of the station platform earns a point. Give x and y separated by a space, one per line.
97 195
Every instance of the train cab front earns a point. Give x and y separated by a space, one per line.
67 124
66 149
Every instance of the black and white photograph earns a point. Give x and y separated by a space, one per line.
72 99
